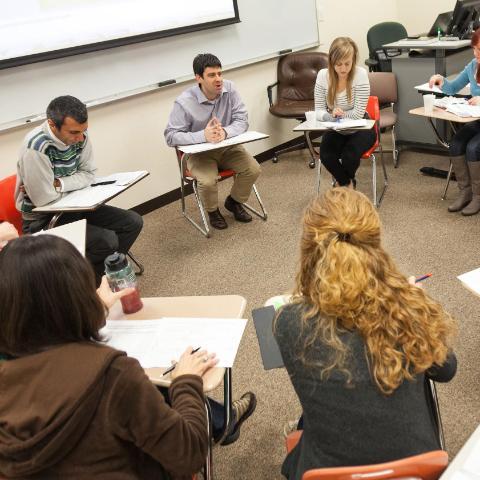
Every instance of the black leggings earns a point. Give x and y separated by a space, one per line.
349 148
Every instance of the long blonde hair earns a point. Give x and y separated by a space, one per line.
340 49
347 282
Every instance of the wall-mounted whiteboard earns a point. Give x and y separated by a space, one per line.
267 27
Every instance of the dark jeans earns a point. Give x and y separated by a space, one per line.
216 409
109 229
467 142
349 148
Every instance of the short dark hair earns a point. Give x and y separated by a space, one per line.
204 60
47 296
66 106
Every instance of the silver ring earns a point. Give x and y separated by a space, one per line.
205 359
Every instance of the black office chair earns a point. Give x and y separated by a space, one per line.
296 75
378 57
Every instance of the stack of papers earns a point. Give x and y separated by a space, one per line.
447 101
155 343
245 137
464 110
343 123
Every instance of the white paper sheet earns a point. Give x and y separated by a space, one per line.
343 123
471 280
464 110
122 178
155 343
445 102
74 232
242 138
84 198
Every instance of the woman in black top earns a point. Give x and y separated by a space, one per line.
359 342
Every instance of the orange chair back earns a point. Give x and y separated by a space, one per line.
373 110
8 212
426 466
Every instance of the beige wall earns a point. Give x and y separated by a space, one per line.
128 135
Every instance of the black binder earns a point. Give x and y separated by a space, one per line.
263 319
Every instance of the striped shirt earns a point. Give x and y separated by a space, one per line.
43 158
355 109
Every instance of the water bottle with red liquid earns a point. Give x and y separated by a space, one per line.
120 275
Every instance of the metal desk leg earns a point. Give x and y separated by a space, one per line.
436 411
54 220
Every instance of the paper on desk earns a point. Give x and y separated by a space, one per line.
444 102
343 123
471 464
471 280
155 343
245 137
84 198
464 110
74 232
121 178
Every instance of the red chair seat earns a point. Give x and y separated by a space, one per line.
8 211
222 174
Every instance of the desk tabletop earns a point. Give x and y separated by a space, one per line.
215 306
431 44
106 192
307 127
441 114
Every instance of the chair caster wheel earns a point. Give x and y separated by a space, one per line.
275 159
311 164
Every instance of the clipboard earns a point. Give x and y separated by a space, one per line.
263 321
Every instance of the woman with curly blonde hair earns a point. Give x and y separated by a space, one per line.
359 341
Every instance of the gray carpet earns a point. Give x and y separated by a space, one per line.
258 260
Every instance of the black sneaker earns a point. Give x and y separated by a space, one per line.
216 220
241 409
237 209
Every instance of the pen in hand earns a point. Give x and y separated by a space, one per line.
110 182
172 368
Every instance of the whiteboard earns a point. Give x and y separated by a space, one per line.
267 27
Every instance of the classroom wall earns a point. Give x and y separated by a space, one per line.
128 134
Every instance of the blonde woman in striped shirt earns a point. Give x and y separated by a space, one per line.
342 91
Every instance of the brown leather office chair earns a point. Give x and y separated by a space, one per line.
296 75
384 86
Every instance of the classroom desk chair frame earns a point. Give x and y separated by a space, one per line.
373 110
186 178
12 215
441 140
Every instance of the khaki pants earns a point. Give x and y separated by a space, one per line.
204 167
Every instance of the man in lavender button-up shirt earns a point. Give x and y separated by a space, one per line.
212 111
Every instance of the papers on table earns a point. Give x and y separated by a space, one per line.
445 102
464 110
91 197
155 343
242 138
471 280
343 123
74 232
122 178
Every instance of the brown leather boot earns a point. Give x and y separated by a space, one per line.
463 181
474 206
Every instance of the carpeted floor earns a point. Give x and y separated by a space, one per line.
258 260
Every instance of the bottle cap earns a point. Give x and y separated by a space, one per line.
116 262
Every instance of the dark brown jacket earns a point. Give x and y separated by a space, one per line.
82 411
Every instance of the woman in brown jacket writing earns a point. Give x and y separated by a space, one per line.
70 406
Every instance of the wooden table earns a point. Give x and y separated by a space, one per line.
215 306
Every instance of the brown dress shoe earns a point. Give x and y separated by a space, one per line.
216 220
237 209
